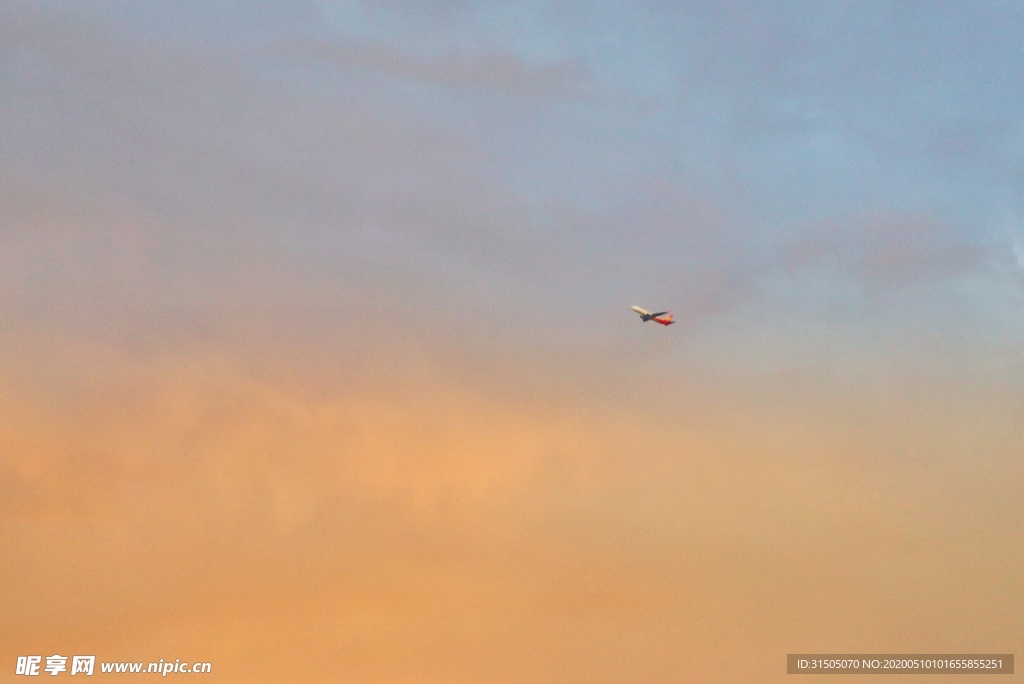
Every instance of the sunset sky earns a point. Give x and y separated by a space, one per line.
317 363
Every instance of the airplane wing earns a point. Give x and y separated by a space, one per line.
660 313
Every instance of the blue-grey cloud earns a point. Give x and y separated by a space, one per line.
501 72
298 168
891 250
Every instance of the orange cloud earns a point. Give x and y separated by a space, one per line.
415 525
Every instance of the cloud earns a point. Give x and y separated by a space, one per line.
188 177
94 423
890 251
191 499
457 69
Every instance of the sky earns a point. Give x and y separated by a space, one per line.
317 363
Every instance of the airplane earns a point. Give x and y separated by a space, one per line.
659 317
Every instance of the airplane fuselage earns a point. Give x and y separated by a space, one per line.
663 317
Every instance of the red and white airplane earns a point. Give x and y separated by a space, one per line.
659 317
